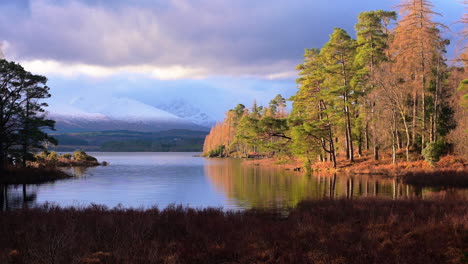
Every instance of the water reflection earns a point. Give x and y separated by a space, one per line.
161 179
25 195
16 196
253 186
78 171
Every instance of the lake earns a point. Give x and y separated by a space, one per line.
161 179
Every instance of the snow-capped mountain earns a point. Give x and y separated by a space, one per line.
187 111
81 115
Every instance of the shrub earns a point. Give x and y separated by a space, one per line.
67 156
42 156
433 151
80 155
53 157
217 152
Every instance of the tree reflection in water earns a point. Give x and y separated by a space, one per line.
16 196
260 187
25 195
268 187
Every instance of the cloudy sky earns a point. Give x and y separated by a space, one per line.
209 53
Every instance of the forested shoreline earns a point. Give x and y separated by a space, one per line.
391 90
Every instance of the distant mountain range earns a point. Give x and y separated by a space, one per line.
84 115
185 110
72 124
124 124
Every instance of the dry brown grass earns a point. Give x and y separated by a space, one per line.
343 231
367 165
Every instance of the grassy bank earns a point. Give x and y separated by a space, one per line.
450 171
32 175
356 231
367 165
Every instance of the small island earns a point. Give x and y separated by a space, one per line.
52 159
47 167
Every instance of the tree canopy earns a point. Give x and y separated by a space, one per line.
389 89
22 115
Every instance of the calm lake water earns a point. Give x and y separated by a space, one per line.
160 179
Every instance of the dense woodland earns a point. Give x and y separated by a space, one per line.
390 90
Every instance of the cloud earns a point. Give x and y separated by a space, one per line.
211 53
237 38
180 38
174 72
54 68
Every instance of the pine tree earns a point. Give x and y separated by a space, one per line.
280 106
33 119
372 40
21 118
338 56
313 118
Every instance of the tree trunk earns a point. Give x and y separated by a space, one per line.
5 188
350 139
330 136
347 141
25 197
407 137
2 160
399 141
332 146
25 138
2 198
374 135
431 127
360 145
366 136
423 78
436 104
415 111
423 109
394 135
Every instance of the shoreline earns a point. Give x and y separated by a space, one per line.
16 176
48 168
364 165
450 171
